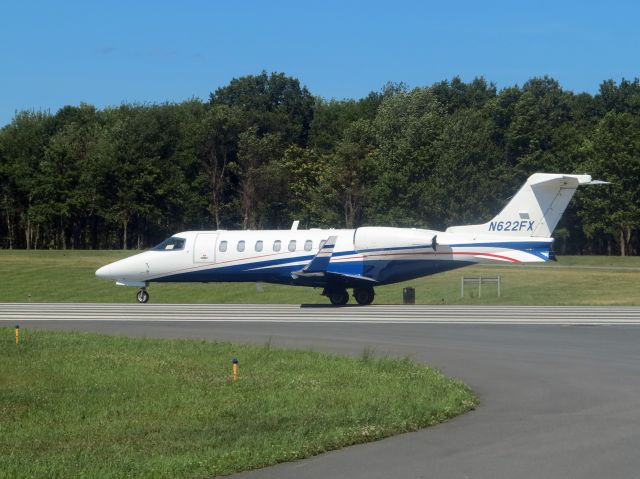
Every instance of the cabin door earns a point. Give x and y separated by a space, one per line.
204 250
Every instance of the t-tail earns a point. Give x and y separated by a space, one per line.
536 208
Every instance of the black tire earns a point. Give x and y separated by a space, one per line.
339 298
142 296
364 296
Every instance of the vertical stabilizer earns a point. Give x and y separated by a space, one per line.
535 209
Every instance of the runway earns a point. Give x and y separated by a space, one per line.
559 387
392 314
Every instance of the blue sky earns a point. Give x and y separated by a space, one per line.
105 53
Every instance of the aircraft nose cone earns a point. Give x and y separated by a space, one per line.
128 269
103 272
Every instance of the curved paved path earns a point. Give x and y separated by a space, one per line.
560 387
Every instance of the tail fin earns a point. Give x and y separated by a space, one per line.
535 209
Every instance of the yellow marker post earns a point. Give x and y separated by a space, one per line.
17 334
235 369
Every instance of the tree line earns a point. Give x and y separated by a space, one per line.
263 151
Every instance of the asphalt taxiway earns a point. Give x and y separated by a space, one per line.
559 387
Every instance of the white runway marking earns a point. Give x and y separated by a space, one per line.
382 314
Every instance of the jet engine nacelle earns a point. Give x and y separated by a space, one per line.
377 237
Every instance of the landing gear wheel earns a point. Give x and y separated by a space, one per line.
339 298
142 296
363 296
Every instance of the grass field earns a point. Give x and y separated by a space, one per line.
574 280
86 405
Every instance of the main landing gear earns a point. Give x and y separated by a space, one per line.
142 296
340 297
364 296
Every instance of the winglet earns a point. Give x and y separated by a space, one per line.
318 265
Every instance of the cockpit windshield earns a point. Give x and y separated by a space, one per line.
170 244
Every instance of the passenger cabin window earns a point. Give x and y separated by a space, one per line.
170 244
322 242
277 244
292 245
308 245
223 246
241 246
259 245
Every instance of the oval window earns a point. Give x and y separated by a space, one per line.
259 245
308 245
292 245
223 246
241 246
277 244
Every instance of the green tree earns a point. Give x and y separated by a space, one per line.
261 197
541 109
306 177
23 144
331 118
622 97
615 156
274 104
67 194
408 131
464 188
263 151
350 169
217 150
144 176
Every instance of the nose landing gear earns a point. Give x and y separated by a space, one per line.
142 296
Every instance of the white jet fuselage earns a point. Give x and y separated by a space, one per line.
367 255
358 258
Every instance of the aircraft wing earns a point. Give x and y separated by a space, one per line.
352 277
318 265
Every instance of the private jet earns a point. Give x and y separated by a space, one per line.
338 260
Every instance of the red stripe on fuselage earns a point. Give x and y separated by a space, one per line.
469 253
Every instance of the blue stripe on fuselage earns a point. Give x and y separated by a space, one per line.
384 271
233 272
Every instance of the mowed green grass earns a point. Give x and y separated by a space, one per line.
87 405
68 276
